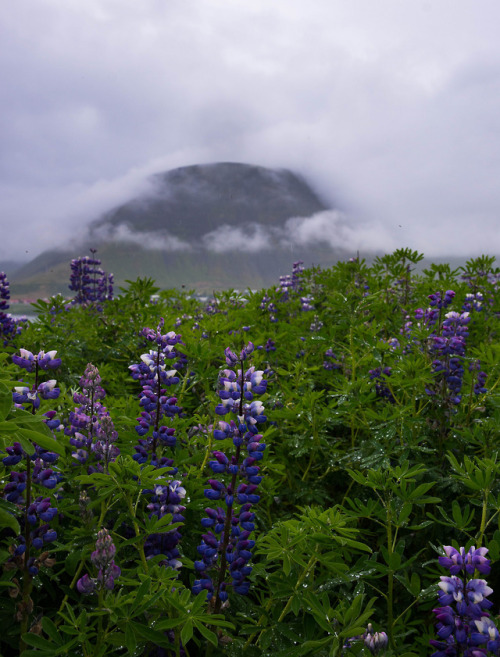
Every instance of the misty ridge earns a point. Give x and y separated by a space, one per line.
227 207
209 226
223 207
329 227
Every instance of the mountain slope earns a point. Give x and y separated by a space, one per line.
191 201
207 227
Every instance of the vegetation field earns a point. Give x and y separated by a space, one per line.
310 469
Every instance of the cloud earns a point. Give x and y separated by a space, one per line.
329 228
390 109
253 239
334 229
157 241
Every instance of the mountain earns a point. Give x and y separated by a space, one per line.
194 200
210 226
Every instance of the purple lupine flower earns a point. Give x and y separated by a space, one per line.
15 488
439 300
316 325
270 345
463 601
460 561
37 511
103 560
90 426
481 377
104 448
486 633
46 477
447 347
38 514
90 283
166 499
9 327
85 585
380 375
307 303
153 374
473 302
331 361
375 641
43 360
15 454
225 549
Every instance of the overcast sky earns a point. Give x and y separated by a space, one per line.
389 107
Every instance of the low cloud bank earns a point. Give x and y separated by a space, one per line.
157 241
329 228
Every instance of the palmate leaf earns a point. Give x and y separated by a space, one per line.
5 400
41 439
9 520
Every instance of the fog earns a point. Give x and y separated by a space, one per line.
389 109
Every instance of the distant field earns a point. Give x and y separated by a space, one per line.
22 310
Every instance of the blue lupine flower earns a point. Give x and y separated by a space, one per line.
166 499
227 544
375 641
446 345
90 283
460 561
92 419
153 374
487 632
462 623
379 375
103 560
28 361
331 362
9 327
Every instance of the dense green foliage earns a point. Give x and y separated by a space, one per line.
365 476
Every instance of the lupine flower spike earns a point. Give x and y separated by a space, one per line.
464 626
9 327
155 437
226 547
90 283
103 561
28 552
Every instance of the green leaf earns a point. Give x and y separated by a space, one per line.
169 623
187 632
26 444
44 441
148 634
199 602
208 634
8 520
37 641
415 584
21 417
295 605
140 593
50 629
287 564
5 401
130 640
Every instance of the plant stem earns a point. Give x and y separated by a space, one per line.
310 565
484 515
390 580
140 546
71 586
